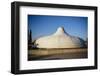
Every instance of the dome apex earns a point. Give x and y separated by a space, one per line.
60 31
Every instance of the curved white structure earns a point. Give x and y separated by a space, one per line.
60 39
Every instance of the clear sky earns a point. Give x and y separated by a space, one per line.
43 25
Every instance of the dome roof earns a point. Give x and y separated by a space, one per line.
60 39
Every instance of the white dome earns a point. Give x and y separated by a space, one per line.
60 39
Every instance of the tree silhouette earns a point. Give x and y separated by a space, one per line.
29 39
30 36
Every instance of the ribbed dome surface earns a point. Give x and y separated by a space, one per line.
60 39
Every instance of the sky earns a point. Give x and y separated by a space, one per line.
44 25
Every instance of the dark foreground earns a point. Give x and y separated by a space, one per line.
51 54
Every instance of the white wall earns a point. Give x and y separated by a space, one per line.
5 27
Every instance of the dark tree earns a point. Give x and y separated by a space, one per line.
30 36
29 39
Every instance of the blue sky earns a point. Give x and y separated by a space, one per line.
42 25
